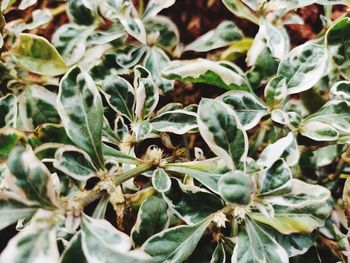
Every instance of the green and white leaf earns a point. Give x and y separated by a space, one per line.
80 107
8 111
341 90
160 180
221 129
80 13
276 91
319 131
223 35
155 6
239 9
37 55
132 57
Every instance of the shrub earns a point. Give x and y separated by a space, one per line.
95 160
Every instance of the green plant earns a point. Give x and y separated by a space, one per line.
95 167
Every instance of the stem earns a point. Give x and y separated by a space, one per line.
345 159
123 177
58 10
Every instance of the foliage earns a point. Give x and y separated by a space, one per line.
95 165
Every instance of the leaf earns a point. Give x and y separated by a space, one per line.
256 245
70 41
8 111
13 209
341 90
102 242
248 107
285 147
175 244
222 74
74 163
223 35
8 140
36 106
334 113
160 180
132 57
303 67
30 178
176 121
147 94
337 41
36 243
302 210
80 106
241 10
155 6
120 156
319 131
190 203
79 13
37 55
26 3
155 61
73 251
120 95
151 219
222 131
276 91
236 187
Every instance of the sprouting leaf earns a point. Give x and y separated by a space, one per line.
120 95
147 94
8 111
248 107
175 244
303 67
223 74
221 129
337 41
223 35
36 54
30 178
74 163
80 107
256 245
236 187
160 180
152 218
190 203
177 121
132 57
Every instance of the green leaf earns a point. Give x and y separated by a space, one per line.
341 90
73 251
241 10
70 42
74 163
147 94
303 67
256 245
162 31
175 244
236 187
155 61
337 41
176 121
152 218
191 203
248 107
160 180
80 13
8 111
13 209
120 95
221 129
334 113
276 91
37 55
119 156
155 6
223 35
31 178
102 242
8 140
36 106
222 74
36 243
319 131
80 107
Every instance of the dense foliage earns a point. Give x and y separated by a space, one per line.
95 164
